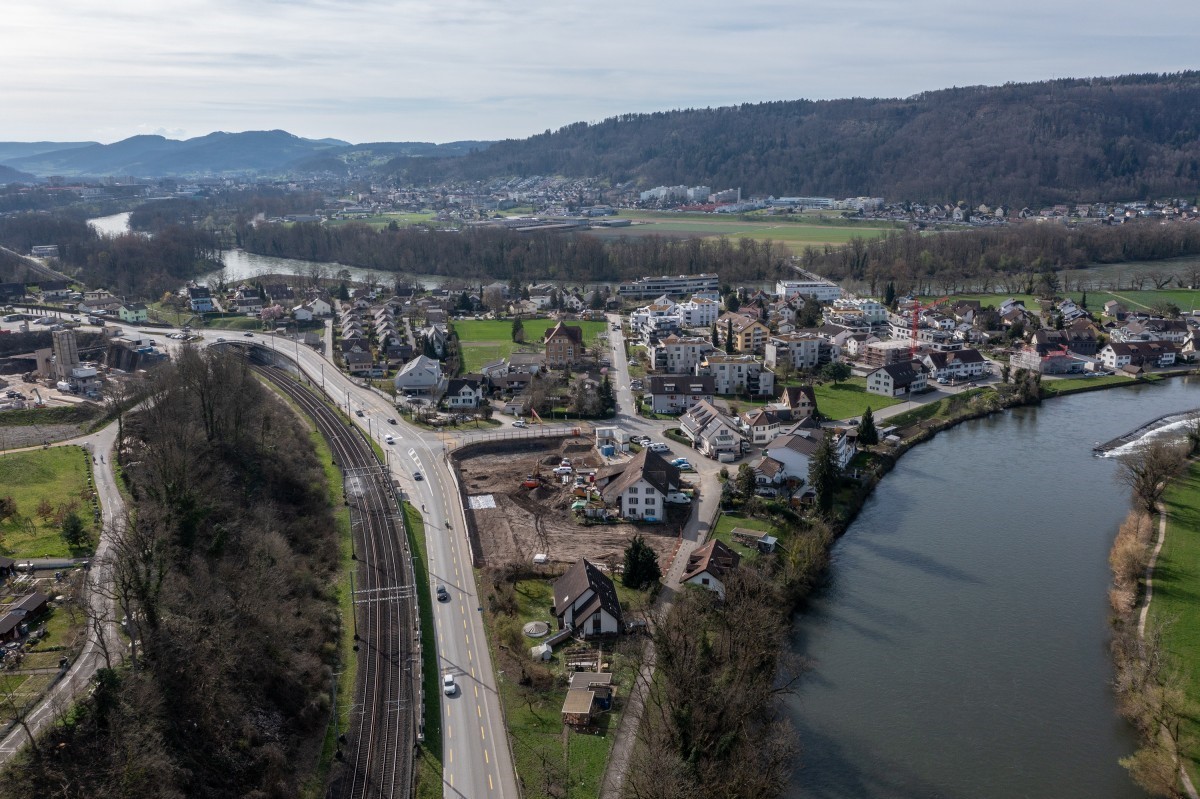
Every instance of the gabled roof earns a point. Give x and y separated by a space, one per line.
714 557
577 580
648 466
561 330
422 363
792 396
901 373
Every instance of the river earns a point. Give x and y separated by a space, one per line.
959 649
242 265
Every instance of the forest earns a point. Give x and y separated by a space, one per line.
1003 258
495 254
1135 136
128 266
223 572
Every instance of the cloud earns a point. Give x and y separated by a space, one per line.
371 70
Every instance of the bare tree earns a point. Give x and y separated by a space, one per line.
1148 469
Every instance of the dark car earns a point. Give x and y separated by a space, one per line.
391 420
358 412
417 476
442 594
248 335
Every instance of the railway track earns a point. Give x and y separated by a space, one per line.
376 751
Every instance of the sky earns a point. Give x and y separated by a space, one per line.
369 70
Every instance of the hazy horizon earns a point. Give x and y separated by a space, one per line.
369 70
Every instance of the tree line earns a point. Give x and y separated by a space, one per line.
1009 258
500 254
1017 144
129 265
222 576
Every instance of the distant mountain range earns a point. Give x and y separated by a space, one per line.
251 152
1071 140
1130 137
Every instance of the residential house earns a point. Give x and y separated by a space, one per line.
800 400
1146 354
320 307
55 289
564 346
677 393
1114 310
711 432
1154 329
709 565
793 450
896 379
21 611
736 374
132 312
749 335
761 425
679 355
358 363
640 490
698 312
200 299
800 350
420 377
958 365
302 314
464 392
585 600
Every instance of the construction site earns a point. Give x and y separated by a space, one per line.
519 508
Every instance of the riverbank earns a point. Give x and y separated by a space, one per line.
1174 607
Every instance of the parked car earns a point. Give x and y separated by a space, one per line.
563 470
679 498
520 423
682 464
943 381
248 335
449 687
766 491
658 446
442 594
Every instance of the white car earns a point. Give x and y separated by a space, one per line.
449 686
520 423
389 438
658 446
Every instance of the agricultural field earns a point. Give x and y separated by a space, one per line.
810 231
1185 299
383 220
43 483
483 341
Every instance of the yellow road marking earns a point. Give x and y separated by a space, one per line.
482 734
487 759
478 712
490 786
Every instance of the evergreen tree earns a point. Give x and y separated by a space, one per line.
889 294
867 434
343 292
745 482
518 330
1083 301
596 302
729 347
732 303
716 339
73 531
464 302
823 474
641 564
608 398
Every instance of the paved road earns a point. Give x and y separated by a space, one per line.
79 675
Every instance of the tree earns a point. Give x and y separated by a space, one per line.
73 531
867 434
8 507
518 330
596 301
1083 301
745 482
1148 469
45 510
716 339
641 564
836 371
823 474
889 294
608 397
1005 373
729 341
732 303
343 291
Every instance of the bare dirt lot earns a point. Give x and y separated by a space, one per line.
533 521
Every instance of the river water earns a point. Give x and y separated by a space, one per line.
242 265
959 649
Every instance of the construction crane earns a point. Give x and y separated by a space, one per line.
917 308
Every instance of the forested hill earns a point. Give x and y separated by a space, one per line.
1020 144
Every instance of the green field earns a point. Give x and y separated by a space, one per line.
849 399
812 230
383 220
59 475
483 341
1176 589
